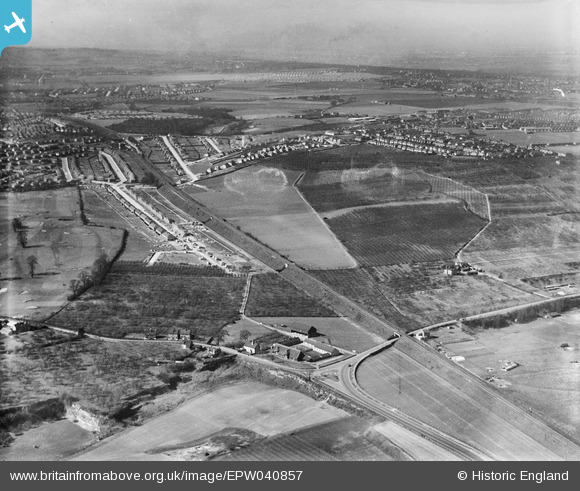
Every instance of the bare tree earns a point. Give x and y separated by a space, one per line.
221 335
32 263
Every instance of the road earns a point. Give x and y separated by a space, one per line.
350 387
177 157
461 379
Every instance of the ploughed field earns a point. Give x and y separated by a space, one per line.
350 439
391 235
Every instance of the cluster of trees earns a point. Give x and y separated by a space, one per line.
88 279
151 180
181 126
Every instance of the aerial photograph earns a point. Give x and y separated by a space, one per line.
308 230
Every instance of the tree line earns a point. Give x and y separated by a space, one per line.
87 279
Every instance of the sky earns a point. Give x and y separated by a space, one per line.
302 28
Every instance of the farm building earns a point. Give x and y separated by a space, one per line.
288 352
303 335
510 365
313 356
321 348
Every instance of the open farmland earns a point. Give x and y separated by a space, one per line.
272 108
521 199
546 379
391 235
264 410
524 139
303 238
351 439
50 441
267 125
358 285
474 200
399 381
56 237
424 293
338 331
263 202
370 109
522 244
135 300
273 296
253 192
336 189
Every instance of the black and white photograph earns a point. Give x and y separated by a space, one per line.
290 231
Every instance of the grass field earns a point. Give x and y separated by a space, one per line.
273 296
302 238
547 378
391 235
264 410
62 245
263 202
50 441
133 302
253 191
396 379
338 331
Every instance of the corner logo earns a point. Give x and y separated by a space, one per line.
16 17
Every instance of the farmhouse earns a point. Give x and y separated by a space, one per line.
252 347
